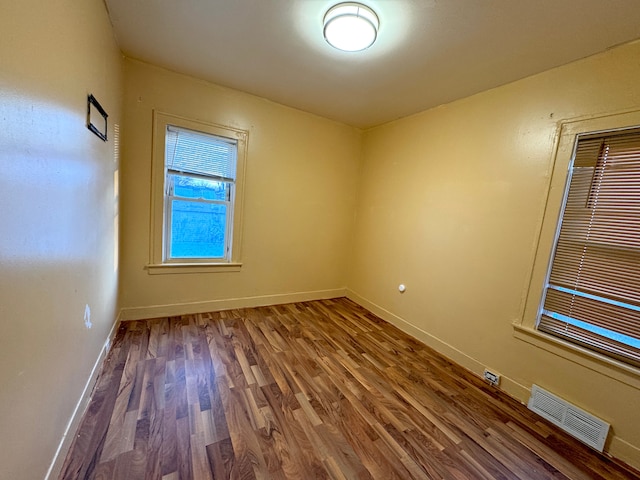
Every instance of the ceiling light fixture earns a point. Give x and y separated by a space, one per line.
351 26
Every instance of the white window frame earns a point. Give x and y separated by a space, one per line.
160 261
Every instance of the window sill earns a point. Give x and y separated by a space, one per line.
165 268
594 361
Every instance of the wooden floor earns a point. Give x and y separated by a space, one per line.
310 390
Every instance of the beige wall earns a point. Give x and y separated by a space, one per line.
450 204
300 181
58 211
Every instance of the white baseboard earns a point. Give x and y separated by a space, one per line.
155 311
623 450
72 426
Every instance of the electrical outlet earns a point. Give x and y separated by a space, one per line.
491 377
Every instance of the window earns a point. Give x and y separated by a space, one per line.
199 191
196 194
592 293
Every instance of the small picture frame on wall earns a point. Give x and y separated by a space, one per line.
96 118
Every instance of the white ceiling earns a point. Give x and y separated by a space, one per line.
428 52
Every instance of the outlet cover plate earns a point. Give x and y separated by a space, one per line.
491 377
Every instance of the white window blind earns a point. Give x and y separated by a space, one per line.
199 153
592 296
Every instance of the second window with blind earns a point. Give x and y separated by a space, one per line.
592 293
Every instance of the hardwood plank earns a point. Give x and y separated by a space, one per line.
249 459
183 449
104 471
222 459
169 446
199 460
130 465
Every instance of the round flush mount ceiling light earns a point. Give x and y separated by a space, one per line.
351 26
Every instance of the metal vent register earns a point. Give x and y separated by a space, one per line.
573 420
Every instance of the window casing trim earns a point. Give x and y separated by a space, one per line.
168 268
158 258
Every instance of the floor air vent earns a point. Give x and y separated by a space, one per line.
582 425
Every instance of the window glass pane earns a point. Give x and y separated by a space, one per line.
189 187
197 229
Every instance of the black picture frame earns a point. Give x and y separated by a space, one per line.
96 118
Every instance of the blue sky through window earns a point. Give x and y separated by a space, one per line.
619 337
